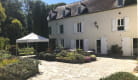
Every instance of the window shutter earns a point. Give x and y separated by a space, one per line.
73 44
126 23
114 25
82 27
75 28
59 43
103 45
86 45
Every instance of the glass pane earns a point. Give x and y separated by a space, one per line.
118 22
81 44
122 21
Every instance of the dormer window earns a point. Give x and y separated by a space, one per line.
79 10
120 2
63 13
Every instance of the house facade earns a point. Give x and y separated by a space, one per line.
92 24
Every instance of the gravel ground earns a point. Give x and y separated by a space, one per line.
89 71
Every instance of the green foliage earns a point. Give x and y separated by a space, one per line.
63 53
93 57
121 76
13 30
2 13
15 68
47 56
19 71
5 62
115 50
130 2
74 57
13 50
26 51
4 43
5 55
136 69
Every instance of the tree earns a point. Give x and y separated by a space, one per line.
39 18
2 14
13 30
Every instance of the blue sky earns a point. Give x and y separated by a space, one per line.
58 1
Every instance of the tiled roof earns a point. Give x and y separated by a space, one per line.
82 7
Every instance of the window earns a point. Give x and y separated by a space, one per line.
79 27
49 30
62 43
79 10
79 44
121 24
120 2
61 29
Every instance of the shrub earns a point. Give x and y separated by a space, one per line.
26 51
121 76
115 50
5 56
47 56
22 70
13 50
93 57
4 43
87 58
130 2
63 53
5 62
136 69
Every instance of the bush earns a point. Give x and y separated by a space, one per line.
26 51
93 57
115 50
63 53
13 50
136 69
4 43
47 56
121 76
5 62
22 70
5 56
87 58
130 2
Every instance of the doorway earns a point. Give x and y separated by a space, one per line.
98 43
135 46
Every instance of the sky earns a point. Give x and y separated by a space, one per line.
59 1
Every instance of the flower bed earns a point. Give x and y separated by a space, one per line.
68 56
14 68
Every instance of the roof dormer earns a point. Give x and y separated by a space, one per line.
120 3
82 9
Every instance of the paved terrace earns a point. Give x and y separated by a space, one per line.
89 71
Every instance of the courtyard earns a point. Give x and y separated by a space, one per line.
103 67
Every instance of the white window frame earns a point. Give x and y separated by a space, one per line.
60 29
121 24
80 43
79 27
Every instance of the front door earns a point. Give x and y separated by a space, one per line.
135 46
98 46
79 44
